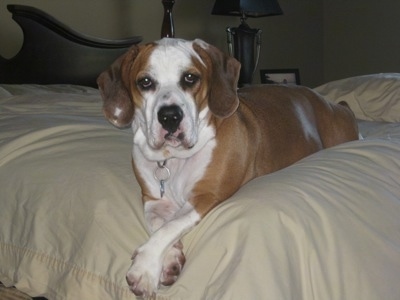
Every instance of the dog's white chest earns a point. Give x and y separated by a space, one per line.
173 178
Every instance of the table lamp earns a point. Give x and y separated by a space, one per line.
244 43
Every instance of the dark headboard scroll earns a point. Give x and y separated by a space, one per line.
53 53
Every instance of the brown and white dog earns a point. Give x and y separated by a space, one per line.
197 139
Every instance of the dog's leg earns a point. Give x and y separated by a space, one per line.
157 214
160 260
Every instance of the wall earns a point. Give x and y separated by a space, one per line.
361 37
293 40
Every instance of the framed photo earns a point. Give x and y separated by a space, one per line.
280 76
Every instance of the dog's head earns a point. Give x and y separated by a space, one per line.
168 88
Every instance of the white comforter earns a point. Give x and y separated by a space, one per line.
327 227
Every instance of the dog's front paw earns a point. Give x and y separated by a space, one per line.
172 265
143 275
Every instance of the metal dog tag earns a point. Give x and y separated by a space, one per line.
162 188
162 174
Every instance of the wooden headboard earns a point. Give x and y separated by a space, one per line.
54 53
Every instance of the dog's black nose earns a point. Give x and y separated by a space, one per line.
170 117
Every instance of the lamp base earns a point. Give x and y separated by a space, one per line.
241 43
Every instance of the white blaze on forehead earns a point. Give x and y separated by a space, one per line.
170 58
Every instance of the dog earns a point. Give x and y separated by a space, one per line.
197 139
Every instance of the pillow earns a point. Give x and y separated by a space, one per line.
374 97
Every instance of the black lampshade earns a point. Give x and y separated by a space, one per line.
247 8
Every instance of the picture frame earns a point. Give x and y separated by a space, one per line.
280 76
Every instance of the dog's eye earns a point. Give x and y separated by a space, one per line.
145 83
190 79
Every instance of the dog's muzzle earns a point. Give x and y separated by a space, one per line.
170 117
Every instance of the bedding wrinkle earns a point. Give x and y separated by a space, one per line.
310 240
239 244
234 241
47 141
66 272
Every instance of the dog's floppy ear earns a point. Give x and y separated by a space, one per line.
223 99
113 83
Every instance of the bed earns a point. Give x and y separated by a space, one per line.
327 227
